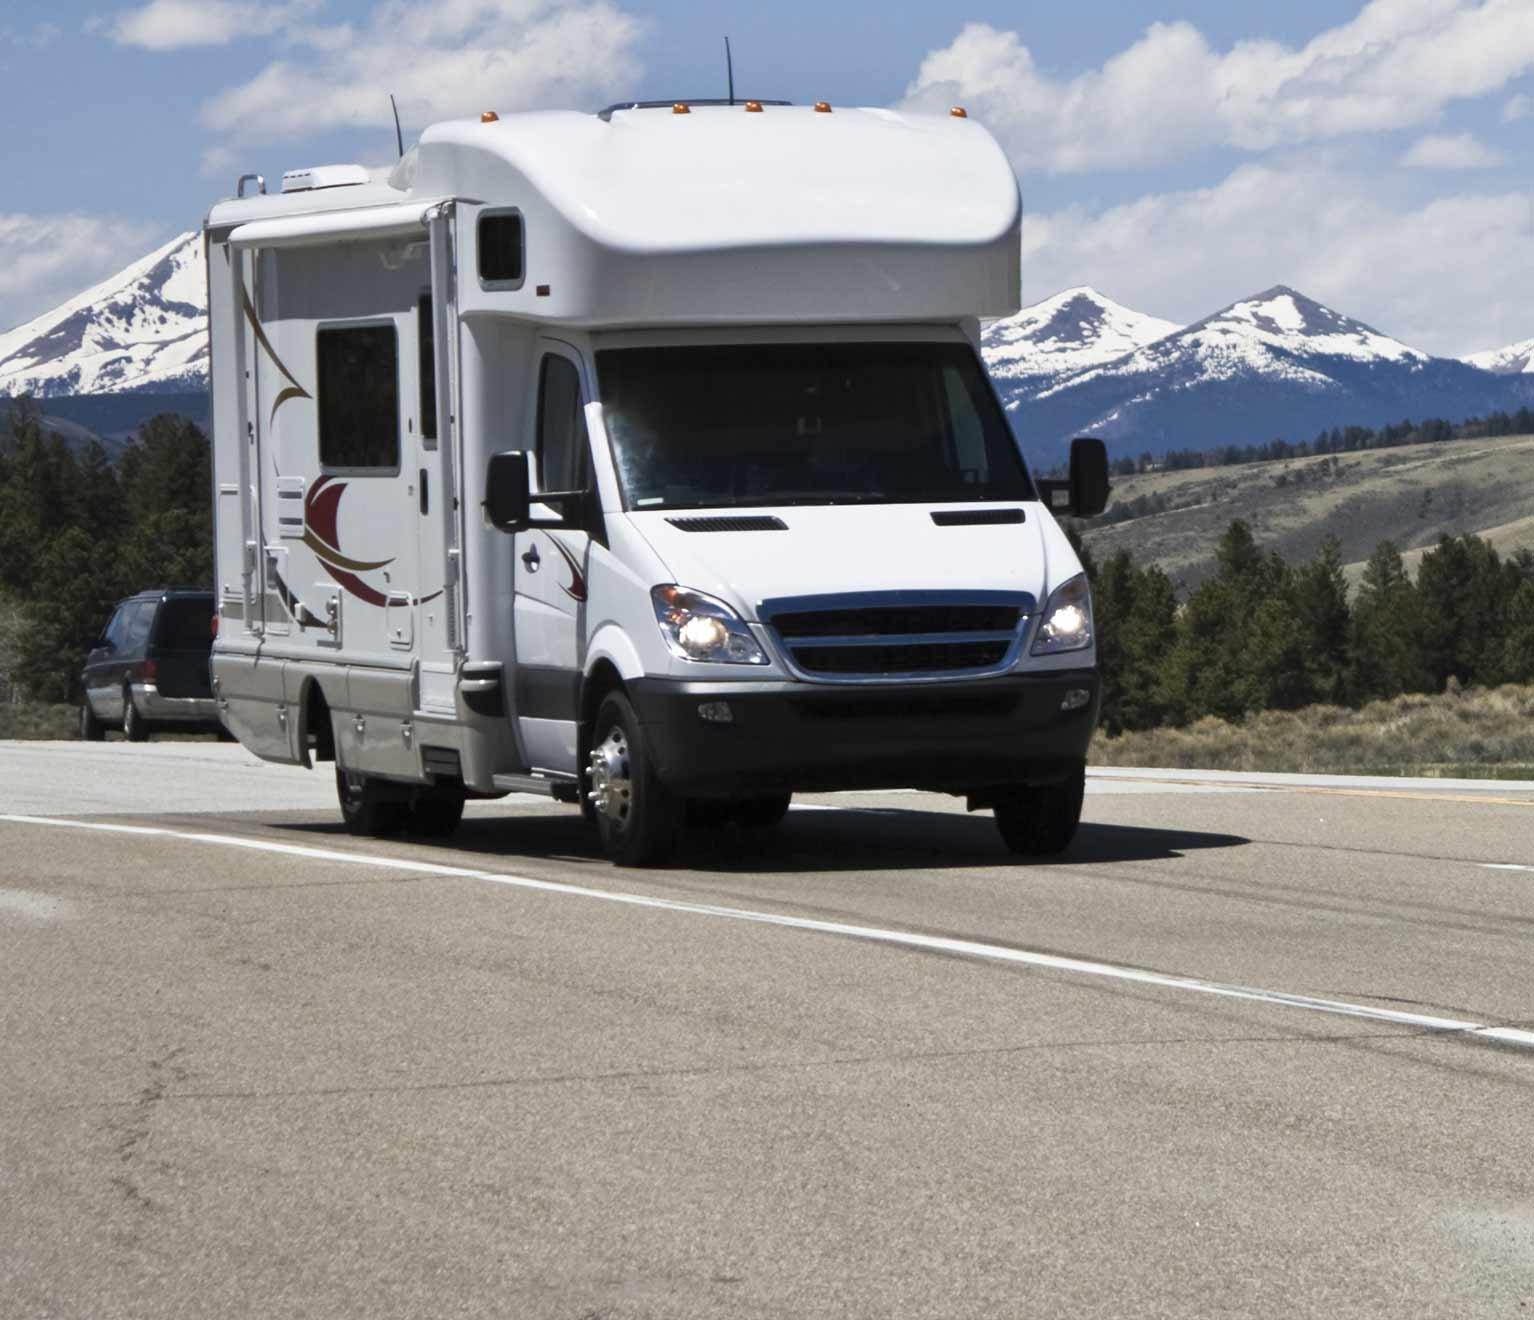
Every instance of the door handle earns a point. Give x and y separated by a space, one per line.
532 559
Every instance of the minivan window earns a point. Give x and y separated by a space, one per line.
822 423
186 624
136 632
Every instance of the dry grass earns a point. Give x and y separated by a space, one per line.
1487 733
35 720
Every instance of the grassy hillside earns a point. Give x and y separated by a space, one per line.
1410 495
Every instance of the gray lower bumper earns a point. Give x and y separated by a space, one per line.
173 710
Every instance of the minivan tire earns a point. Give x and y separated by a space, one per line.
91 728
1041 821
368 805
135 727
642 828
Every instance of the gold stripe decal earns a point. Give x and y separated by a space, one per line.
295 390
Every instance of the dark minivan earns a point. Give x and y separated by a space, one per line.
149 667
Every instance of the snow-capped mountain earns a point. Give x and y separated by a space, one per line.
144 330
1514 360
1277 365
1070 332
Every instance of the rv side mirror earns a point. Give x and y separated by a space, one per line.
506 491
1089 477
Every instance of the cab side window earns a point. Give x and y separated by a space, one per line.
563 451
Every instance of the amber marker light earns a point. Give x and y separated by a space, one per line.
681 108
822 107
753 107
959 112
489 117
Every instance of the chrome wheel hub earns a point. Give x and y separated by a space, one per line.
611 793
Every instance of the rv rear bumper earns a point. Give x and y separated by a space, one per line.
801 737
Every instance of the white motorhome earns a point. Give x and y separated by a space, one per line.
645 460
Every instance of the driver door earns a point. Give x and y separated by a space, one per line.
550 566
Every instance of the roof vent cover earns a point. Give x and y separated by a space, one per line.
324 176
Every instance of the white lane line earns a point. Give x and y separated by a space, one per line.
875 934
1503 866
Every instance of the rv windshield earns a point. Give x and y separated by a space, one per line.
825 423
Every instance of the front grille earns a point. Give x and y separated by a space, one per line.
918 659
894 621
899 634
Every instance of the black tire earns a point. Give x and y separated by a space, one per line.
91 729
436 813
135 726
368 805
762 813
638 818
1042 821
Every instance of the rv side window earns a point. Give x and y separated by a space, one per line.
500 249
562 442
359 398
426 337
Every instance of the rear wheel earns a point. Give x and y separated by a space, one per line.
638 817
135 727
436 812
91 729
1041 821
369 805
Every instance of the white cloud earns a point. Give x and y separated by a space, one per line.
440 58
45 259
175 24
1447 276
1518 107
1397 64
1450 151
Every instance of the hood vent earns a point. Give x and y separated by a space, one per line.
744 524
976 517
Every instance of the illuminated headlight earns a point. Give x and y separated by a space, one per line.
1067 622
698 627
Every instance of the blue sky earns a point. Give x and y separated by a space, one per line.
1177 156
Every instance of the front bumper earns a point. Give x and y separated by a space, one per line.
962 737
152 705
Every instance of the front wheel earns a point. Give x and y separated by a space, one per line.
637 816
368 805
91 729
1042 821
135 729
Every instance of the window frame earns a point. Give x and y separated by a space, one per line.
492 213
359 323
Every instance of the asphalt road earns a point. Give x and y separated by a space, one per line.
1256 1048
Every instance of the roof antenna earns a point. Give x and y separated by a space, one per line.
729 66
399 138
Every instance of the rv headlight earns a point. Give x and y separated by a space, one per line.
1067 622
698 627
